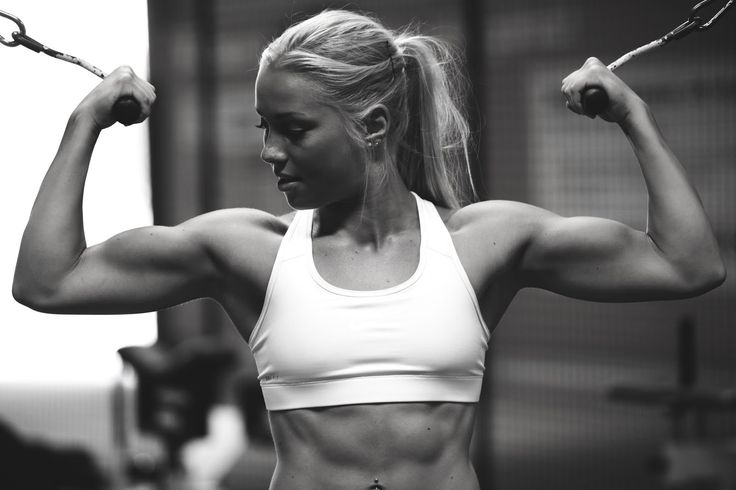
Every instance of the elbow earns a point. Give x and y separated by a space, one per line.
718 275
706 278
24 296
32 297
21 293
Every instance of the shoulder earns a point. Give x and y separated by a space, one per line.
498 230
225 222
491 238
236 230
241 241
513 217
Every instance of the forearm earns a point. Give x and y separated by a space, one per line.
54 236
676 221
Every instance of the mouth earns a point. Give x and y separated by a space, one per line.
286 181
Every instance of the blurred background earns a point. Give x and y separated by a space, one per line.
577 395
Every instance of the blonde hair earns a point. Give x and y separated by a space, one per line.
357 63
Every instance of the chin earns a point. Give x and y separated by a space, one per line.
297 202
302 198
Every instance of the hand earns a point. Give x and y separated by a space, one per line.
98 104
594 73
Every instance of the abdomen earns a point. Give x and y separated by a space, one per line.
403 445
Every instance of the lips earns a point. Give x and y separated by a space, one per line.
286 181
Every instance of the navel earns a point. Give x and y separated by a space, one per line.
376 485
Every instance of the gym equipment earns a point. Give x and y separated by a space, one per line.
692 457
126 109
595 99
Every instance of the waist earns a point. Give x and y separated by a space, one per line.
403 445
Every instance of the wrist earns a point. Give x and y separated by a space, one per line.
637 114
84 121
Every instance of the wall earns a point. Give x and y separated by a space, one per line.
555 359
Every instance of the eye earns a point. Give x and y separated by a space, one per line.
296 132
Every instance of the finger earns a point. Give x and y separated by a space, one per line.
141 90
576 98
146 88
572 96
567 99
145 102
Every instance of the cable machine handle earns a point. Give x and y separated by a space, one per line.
126 110
595 100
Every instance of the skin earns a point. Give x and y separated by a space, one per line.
228 255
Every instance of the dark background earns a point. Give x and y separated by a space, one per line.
547 420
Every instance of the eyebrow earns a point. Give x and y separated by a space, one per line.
283 115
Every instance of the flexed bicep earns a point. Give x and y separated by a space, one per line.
599 259
139 270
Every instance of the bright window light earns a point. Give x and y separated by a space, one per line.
37 94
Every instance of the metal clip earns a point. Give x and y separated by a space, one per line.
29 42
694 22
706 25
21 29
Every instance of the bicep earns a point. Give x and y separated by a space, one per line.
139 270
597 259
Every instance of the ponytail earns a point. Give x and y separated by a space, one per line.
433 154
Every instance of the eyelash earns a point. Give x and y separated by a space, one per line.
294 133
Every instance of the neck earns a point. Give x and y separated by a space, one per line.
371 217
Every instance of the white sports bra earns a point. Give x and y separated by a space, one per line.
318 345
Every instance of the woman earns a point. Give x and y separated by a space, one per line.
369 308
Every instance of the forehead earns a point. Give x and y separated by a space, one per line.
280 91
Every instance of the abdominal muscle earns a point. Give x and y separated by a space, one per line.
405 446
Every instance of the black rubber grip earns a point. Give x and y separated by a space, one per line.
595 100
126 110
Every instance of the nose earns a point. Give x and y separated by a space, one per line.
272 153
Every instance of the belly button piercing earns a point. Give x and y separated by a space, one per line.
376 485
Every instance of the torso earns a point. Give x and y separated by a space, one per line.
407 446
404 445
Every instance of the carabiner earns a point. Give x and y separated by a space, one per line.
694 22
701 5
18 22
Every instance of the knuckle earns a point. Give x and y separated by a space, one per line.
125 73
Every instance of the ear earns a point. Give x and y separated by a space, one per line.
376 122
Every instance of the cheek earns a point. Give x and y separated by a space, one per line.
330 174
336 160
